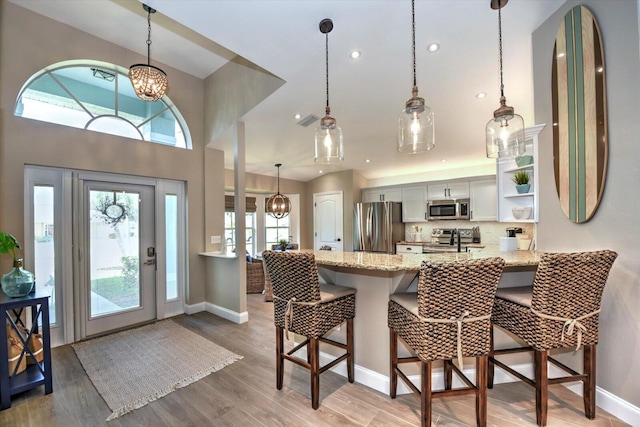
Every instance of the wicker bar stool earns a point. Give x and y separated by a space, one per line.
560 310
304 306
448 319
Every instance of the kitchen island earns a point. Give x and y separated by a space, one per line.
376 276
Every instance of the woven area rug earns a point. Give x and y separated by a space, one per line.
132 368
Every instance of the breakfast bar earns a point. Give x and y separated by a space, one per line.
376 276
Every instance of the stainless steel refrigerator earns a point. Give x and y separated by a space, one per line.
377 227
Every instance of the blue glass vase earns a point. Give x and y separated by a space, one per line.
18 282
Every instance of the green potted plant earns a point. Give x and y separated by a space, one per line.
521 178
283 243
17 282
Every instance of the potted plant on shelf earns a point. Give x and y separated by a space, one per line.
521 178
17 282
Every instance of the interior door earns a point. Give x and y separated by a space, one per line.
118 256
327 221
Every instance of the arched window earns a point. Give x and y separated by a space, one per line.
98 96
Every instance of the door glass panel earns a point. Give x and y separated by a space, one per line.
114 251
44 252
171 237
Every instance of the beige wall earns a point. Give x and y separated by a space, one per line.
615 225
30 42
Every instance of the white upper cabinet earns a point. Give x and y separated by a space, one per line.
382 195
448 191
414 204
484 200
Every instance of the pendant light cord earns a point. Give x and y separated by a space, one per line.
413 35
500 44
149 37
327 63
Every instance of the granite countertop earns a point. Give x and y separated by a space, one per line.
408 262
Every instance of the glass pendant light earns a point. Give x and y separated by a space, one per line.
278 205
415 124
150 83
328 135
505 131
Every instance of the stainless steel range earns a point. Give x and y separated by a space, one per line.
446 240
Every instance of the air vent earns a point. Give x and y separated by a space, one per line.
103 74
308 120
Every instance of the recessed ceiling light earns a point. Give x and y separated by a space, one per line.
444 160
355 54
481 95
297 116
433 47
367 161
319 171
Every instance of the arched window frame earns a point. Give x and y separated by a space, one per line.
118 114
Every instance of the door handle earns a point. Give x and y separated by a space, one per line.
150 261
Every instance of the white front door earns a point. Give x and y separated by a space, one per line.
327 221
118 262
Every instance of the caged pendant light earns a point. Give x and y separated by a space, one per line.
328 140
150 83
505 131
278 205
415 124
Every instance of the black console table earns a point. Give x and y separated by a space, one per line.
11 312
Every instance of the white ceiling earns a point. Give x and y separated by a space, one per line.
367 95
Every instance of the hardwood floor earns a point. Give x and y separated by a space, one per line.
244 394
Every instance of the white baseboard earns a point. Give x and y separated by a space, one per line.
194 308
609 402
225 313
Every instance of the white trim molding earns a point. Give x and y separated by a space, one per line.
225 313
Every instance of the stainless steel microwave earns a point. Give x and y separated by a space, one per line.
447 209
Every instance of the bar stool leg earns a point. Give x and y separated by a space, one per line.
491 366
314 349
393 358
481 392
542 385
425 394
448 374
350 348
589 385
279 358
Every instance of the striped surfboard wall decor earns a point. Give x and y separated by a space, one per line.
579 115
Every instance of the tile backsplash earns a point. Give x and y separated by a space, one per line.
490 231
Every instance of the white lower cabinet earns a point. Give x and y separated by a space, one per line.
408 249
